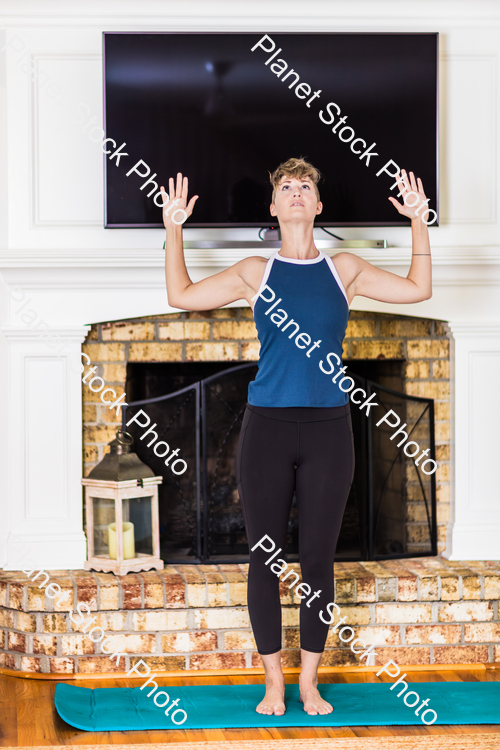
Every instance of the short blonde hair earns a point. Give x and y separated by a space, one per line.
299 168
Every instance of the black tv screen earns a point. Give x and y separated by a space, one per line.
206 105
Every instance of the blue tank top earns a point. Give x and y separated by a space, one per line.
309 305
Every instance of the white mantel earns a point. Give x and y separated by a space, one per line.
54 248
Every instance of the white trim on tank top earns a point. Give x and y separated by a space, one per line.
267 271
300 261
336 276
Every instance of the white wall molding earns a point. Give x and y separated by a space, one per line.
476 529
475 329
42 111
27 334
41 463
280 13
474 77
143 257
45 552
98 286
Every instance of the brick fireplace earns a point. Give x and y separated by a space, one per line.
229 335
189 617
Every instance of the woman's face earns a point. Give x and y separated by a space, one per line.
295 200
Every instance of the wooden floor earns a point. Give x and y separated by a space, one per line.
28 716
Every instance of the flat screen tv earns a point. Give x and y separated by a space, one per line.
226 108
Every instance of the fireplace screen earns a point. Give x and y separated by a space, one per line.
391 509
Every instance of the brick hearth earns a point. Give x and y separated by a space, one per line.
419 610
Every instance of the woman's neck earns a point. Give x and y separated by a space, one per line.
298 242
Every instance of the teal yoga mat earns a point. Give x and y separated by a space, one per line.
226 706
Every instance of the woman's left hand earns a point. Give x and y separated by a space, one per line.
411 187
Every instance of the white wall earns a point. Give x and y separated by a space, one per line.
53 245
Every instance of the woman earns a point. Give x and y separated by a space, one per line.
296 433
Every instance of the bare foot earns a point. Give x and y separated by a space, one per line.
273 702
313 702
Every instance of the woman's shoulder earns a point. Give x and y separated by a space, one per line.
348 267
346 260
256 261
254 264
252 270
346 263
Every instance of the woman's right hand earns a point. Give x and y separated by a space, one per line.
175 203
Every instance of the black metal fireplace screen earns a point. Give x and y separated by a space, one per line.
391 509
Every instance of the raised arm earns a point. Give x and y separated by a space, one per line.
364 279
240 281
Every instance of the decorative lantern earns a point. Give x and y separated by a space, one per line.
122 512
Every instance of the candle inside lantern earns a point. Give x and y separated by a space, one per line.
128 540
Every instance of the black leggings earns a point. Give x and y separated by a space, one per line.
311 451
